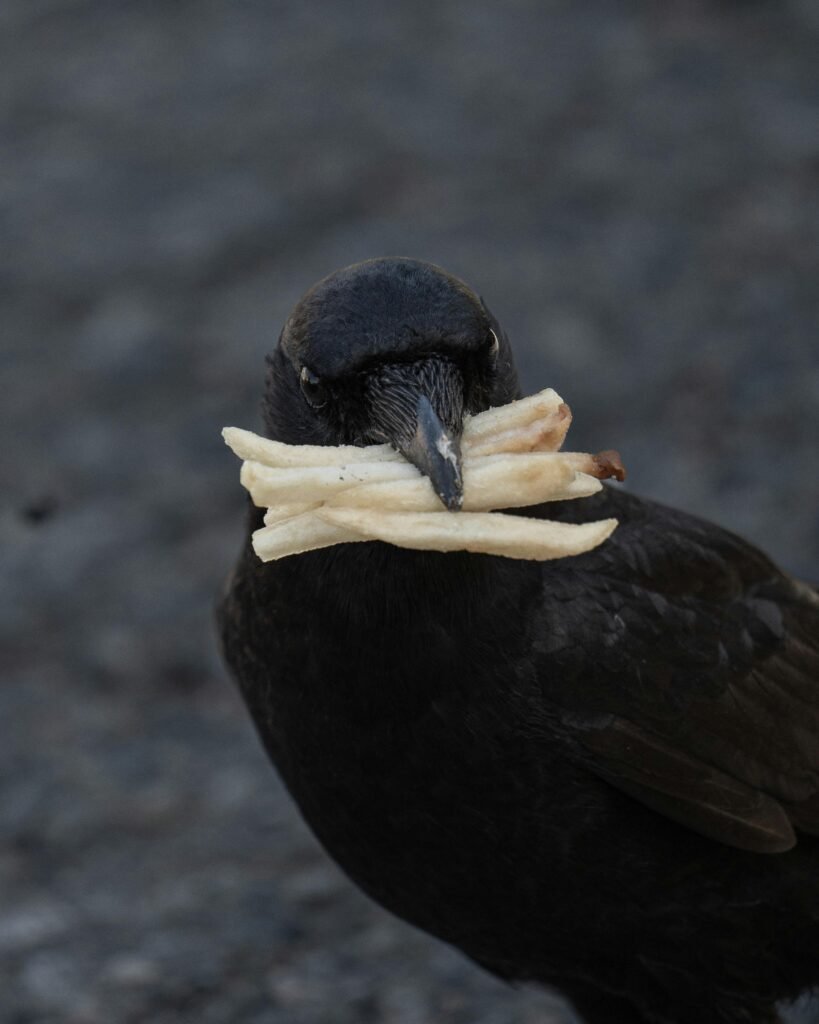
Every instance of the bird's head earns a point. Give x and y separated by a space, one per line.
389 350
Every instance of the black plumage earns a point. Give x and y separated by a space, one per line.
600 773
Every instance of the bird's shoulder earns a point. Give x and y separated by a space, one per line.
684 668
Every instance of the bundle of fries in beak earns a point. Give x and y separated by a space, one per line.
319 496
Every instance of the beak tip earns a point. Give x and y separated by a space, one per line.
433 448
446 477
453 501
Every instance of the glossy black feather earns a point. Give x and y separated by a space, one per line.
707 671
598 773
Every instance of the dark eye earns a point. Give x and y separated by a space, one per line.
314 391
491 345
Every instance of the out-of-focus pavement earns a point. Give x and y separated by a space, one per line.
633 189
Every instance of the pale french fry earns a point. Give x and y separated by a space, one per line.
320 496
543 435
508 417
273 486
278 513
250 446
521 426
604 465
583 486
299 534
513 482
491 533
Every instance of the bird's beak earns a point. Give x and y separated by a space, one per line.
418 408
437 453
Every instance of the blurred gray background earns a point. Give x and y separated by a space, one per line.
633 189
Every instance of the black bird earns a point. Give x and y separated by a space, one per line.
599 773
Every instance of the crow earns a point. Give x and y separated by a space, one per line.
601 773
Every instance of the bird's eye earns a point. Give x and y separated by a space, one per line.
491 344
312 388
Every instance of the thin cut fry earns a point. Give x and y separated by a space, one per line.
277 513
250 446
544 413
543 435
583 486
604 465
508 417
299 534
271 486
318 496
488 484
491 533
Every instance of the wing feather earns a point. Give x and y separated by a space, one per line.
686 667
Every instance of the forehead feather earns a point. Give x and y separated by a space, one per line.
385 308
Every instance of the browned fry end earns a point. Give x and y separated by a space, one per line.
609 464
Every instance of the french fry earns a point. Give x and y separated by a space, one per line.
317 496
299 534
583 486
604 465
250 446
539 422
542 435
491 533
278 513
488 484
273 485
508 417
521 426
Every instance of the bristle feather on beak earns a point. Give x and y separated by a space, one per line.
418 408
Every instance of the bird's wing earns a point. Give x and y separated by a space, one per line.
684 668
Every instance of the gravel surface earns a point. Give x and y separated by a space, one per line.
632 187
